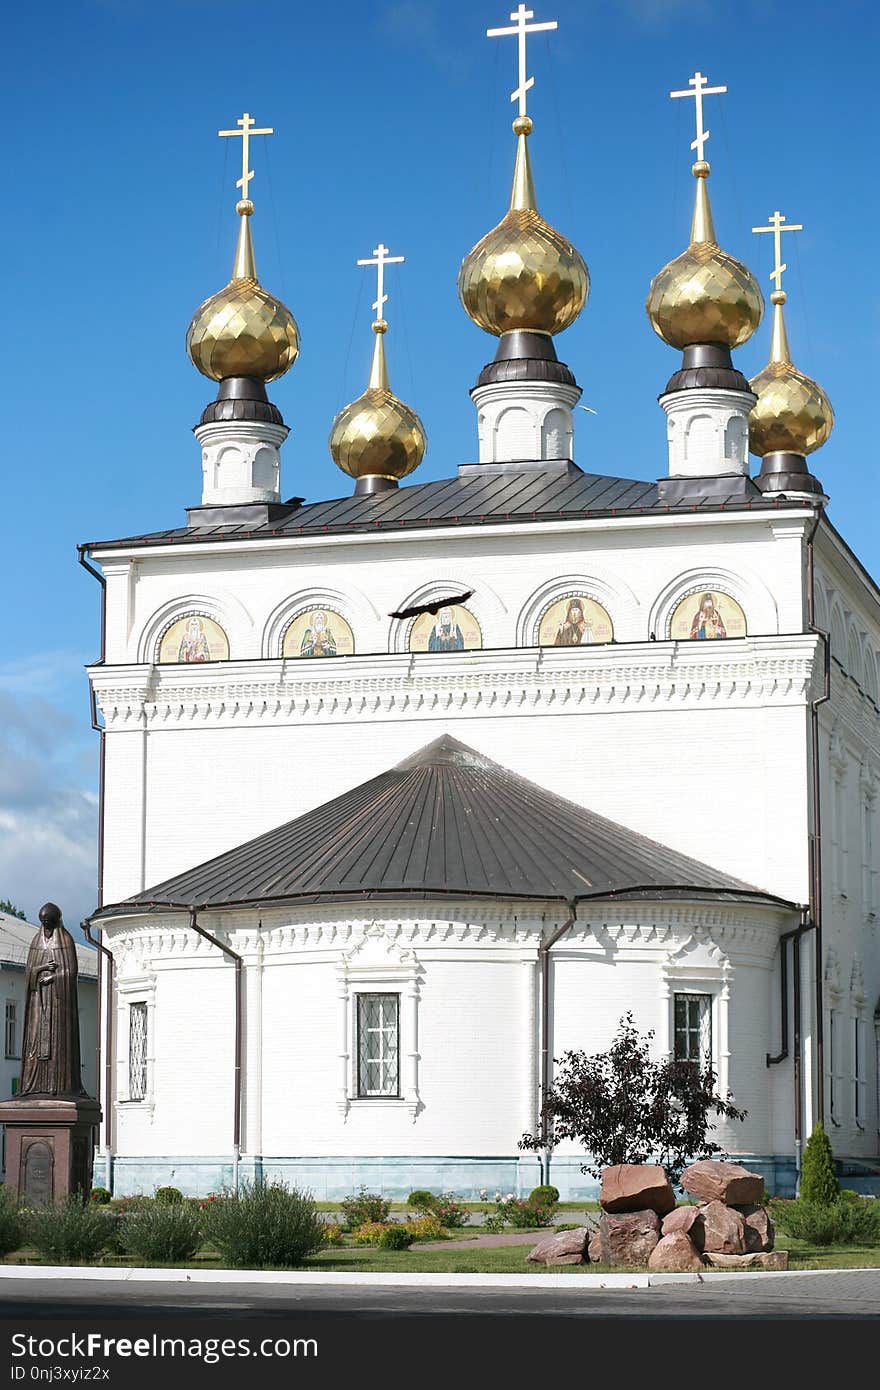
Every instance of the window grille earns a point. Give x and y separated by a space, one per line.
137 1051
378 1028
11 1028
693 1028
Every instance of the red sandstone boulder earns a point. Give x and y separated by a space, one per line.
625 1238
675 1252
687 1220
724 1230
713 1181
563 1248
759 1228
766 1259
636 1187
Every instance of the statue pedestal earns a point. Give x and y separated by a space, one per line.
50 1144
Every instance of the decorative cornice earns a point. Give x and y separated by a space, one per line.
148 943
777 670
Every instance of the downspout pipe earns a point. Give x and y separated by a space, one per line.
105 975
105 978
546 1059
796 933
236 1103
816 884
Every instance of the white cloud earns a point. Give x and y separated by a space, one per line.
48 809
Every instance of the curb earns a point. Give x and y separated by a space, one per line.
293 1278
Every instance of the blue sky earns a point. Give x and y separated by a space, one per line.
393 122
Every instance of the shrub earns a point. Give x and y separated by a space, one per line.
544 1196
620 1106
264 1224
167 1232
524 1214
421 1199
77 1229
333 1234
99 1195
425 1228
12 1225
843 1222
370 1233
395 1237
448 1211
169 1196
818 1173
364 1206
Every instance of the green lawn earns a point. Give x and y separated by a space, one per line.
498 1260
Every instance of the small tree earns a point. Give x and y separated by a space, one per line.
11 910
625 1108
818 1173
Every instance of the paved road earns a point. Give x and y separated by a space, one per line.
854 1294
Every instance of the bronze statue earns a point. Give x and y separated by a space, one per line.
50 1061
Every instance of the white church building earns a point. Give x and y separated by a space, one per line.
445 746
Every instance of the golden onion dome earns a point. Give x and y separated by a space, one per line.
378 435
704 295
523 274
793 414
243 330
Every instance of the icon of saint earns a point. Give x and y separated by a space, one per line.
446 635
318 639
577 630
194 643
708 623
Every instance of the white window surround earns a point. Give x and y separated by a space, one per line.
139 989
698 967
378 965
868 788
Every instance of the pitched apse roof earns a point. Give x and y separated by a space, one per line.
470 500
446 821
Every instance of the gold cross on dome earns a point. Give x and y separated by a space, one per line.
521 28
697 89
247 128
380 258
776 220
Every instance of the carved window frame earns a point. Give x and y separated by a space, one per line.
399 974
136 990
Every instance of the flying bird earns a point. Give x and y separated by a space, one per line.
433 607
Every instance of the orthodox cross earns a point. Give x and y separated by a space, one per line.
697 89
380 258
776 220
521 28
248 128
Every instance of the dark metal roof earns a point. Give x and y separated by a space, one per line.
447 821
544 495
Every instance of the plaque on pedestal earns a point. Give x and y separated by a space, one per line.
51 1122
50 1144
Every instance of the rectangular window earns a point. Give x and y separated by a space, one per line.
137 1051
869 876
11 1028
693 1028
860 1079
835 1044
838 836
378 1051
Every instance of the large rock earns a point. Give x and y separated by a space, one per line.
759 1228
713 1181
625 1238
636 1187
675 1252
724 1230
687 1220
767 1259
563 1248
